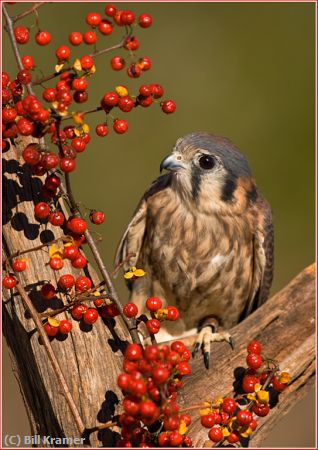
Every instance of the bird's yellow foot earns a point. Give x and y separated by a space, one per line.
210 332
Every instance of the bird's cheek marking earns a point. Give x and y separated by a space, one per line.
195 182
228 188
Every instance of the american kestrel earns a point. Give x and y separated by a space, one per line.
204 235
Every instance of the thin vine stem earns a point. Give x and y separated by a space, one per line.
26 13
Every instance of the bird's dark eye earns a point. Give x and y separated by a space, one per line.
206 162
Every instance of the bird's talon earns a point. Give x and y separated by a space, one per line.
231 342
195 349
206 358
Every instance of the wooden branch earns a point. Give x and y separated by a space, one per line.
89 358
285 325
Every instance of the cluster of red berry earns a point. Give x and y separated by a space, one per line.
26 115
150 381
74 287
232 419
158 314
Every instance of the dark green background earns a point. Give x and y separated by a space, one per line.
241 70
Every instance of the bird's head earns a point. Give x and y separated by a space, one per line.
210 172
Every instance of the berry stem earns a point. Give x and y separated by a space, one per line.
93 55
39 247
51 356
9 28
36 6
88 111
130 323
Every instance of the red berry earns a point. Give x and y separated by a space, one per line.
184 368
126 103
19 265
56 263
254 347
49 95
43 38
62 53
208 420
160 375
52 182
93 19
229 405
144 63
70 252
56 218
110 10
79 262
9 115
89 37
66 281
48 291
79 84
173 313
75 38
175 439
87 62
254 360
277 385
168 106
153 303
109 311
4 79
80 96
186 419
244 417
171 423
109 99
78 144
130 310
153 326
105 27
133 352
233 437
65 326
90 316
101 130
120 126
83 284
50 160
127 17
178 346
78 311
25 127
163 439
50 330
145 90
151 353
24 76
9 282
41 210
123 381
134 71
22 35
27 62
145 20
248 383
117 63
157 90
67 165
215 434
260 409
77 225
253 424
30 155
131 43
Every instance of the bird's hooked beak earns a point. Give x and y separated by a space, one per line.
171 162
